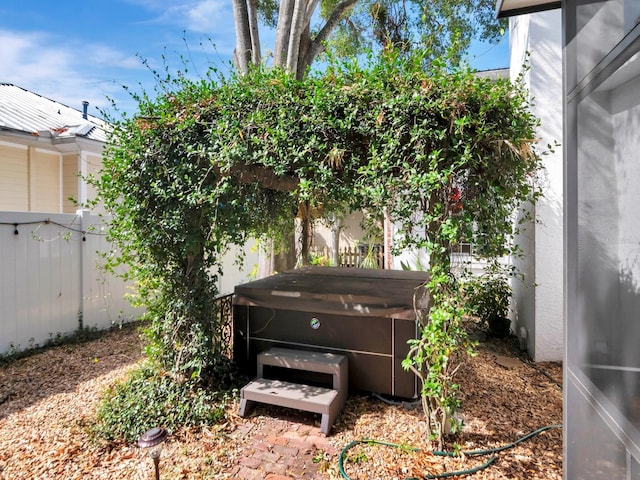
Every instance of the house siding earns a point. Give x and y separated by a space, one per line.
45 182
14 178
69 183
94 165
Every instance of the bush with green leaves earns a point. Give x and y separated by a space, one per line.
487 297
150 398
210 163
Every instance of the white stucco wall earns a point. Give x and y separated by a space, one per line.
538 301
235 272
351 232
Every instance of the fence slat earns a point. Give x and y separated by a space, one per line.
41 280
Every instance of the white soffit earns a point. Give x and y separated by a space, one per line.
509 8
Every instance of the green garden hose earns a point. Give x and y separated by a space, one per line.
443 454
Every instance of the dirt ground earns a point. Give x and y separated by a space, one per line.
47 401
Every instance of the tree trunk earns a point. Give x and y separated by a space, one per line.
242 52
297 26
305 44
335 239
292 50
256 55
283 29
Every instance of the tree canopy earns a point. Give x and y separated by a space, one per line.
307 28
437 25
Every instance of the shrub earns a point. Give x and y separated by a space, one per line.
149 398
487 297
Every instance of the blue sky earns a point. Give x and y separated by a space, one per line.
73 51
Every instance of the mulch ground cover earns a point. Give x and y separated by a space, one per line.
48 401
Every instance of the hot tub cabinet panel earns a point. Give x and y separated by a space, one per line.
366 315
339 332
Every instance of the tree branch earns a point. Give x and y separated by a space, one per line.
311 7
264 176
317 45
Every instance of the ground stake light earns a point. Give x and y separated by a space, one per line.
152 441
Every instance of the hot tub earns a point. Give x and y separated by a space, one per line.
365 314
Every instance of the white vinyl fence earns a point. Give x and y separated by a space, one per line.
51 282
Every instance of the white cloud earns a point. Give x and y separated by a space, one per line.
63 71
204 16
104 56
30 61
212 17
30 57
70 69
208 19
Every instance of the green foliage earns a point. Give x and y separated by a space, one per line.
210 163
434 356
418 265
370 260
441 26
320 260
487 297
150 398
358 458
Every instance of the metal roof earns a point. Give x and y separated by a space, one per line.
493 74
26 112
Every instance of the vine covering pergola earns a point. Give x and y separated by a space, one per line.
211 163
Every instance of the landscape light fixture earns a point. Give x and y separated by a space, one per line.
152 441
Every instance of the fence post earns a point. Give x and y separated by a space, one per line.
84 315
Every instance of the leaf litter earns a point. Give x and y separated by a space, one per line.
48 400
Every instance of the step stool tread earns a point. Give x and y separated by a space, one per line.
303 360
291 395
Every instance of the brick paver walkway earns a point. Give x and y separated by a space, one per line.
281 444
